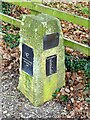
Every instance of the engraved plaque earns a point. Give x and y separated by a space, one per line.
50 41
51 65
27 59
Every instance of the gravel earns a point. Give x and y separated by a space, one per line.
16 105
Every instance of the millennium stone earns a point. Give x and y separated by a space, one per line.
42 68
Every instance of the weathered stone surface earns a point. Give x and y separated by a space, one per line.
39 87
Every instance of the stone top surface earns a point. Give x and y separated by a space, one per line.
35 28
40 17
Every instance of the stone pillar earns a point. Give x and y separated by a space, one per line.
42 68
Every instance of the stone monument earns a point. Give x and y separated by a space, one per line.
42 68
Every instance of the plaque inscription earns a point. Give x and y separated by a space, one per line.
50 41
51 65
27 59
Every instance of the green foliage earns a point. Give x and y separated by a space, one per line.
87 69
54 95
4 28
7 27
87 86
88 100
11 40
56 92
75 63
6 8
82 8
85 10
64 98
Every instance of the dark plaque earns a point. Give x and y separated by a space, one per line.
27 59
50 41
51 65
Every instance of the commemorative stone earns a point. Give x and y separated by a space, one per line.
42 68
